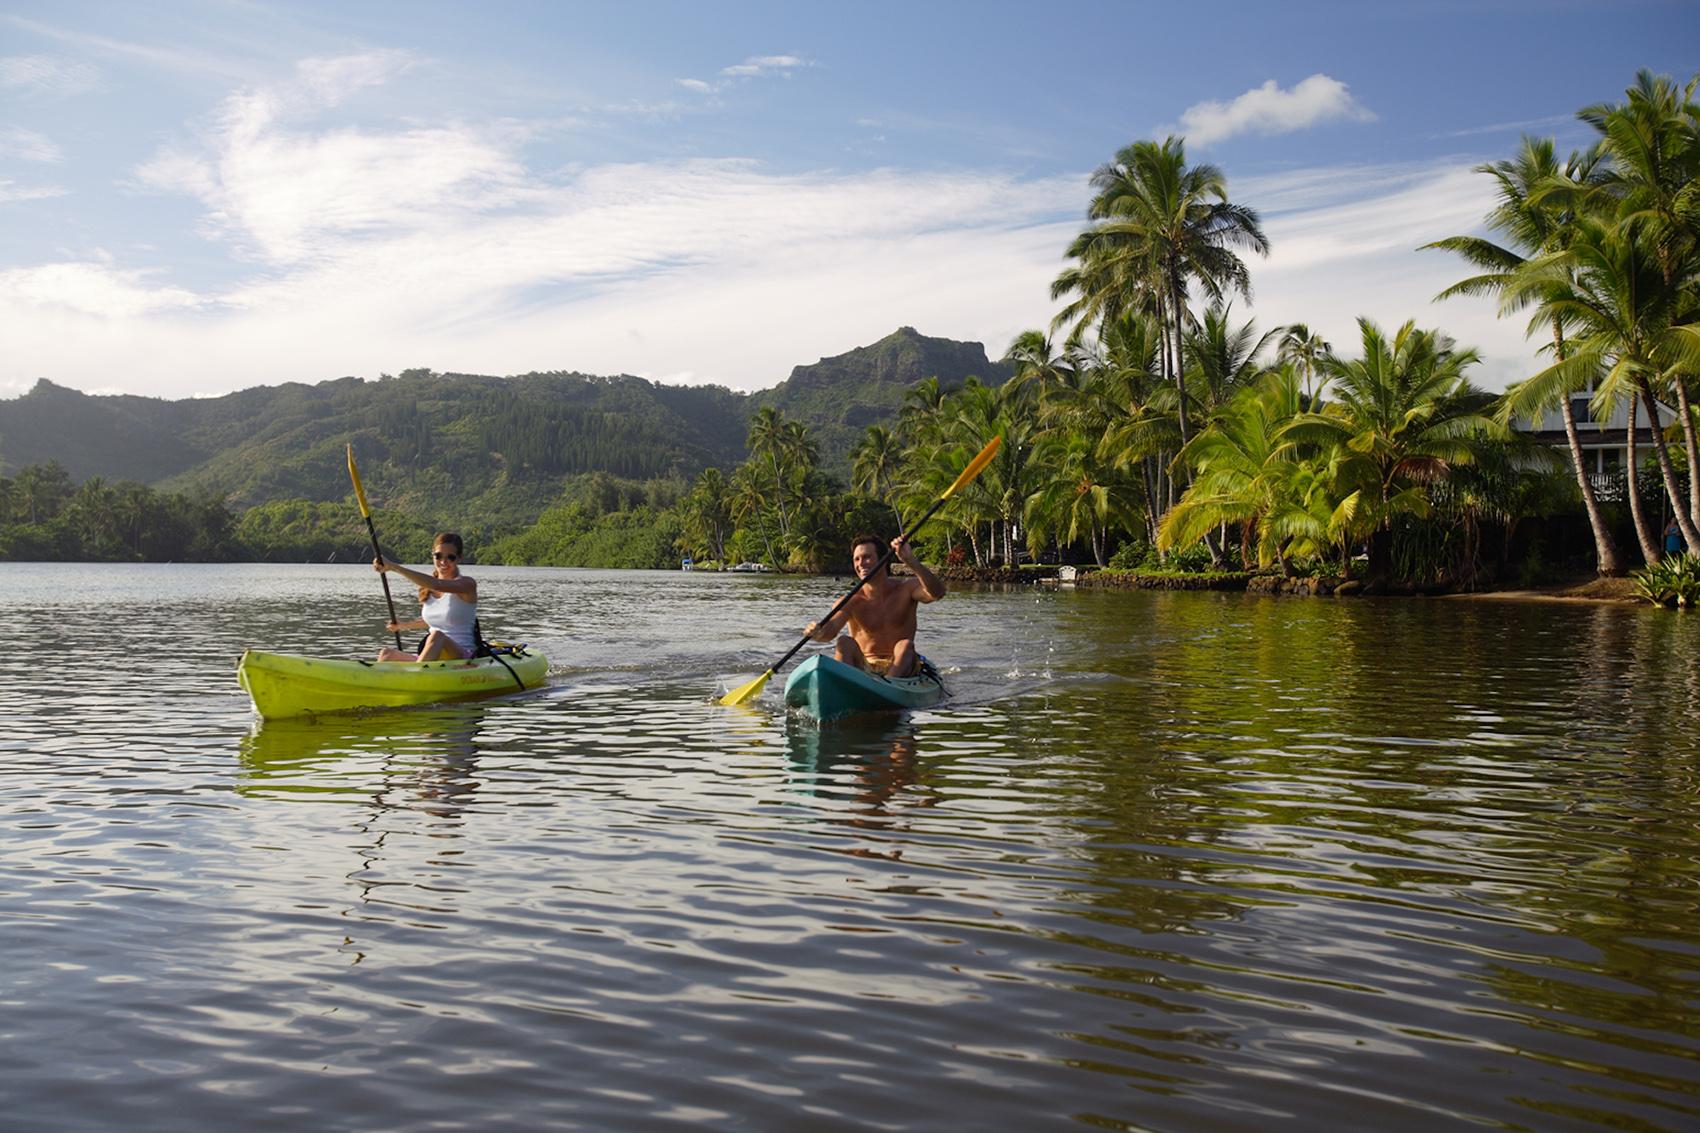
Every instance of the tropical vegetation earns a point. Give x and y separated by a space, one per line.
1148 426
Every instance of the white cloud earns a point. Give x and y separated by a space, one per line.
90 289
28 145
435 244
755 67
1270 110
48 75
10 191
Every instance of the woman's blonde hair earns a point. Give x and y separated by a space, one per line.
441 538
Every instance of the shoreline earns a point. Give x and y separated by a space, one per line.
1593 590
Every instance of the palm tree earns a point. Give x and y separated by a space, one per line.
706 516
1653 143
920 409
1224 358
1607 285
1402 417
1126 403
1160 227
1076 494
874 464
1534 220
766 442
1304 348
1240 463
747 501
1038 366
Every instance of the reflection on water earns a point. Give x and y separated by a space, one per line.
1162 862
428 754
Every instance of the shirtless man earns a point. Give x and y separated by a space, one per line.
881 615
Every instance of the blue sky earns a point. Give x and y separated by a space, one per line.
200 196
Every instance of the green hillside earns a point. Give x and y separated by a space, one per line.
451 446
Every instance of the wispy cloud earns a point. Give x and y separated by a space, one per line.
165 57
1270 110
28 145
755 67
759 65
359 250
48 75
1524 126
11 191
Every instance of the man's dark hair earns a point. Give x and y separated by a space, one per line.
879 545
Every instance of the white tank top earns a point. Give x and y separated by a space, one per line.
454 616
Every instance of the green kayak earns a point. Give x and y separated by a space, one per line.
284 685
827 688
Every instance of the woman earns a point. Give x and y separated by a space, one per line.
448 601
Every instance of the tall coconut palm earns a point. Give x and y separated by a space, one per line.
1040 369
1165 227
747 501
1304 348
1607 285
1160 227
1119 400
920 409
874 466
1534 220
1402 416
706 514
1653 142
766 442
1224 359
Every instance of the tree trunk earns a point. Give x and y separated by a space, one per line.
1649 548
1180 364
1684 521
1606 557
1150 495
1609 562
1689 444
1381 553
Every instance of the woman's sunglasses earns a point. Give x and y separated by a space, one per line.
445 556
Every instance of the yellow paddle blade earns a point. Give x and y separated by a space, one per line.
359 492
746 692
975 465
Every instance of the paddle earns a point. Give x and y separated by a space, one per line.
372 530
746 692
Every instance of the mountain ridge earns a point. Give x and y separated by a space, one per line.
449 439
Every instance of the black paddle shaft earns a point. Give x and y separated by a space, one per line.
891 552
384 577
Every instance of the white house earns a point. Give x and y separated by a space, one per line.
1604 444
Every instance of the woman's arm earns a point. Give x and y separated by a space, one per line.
463 586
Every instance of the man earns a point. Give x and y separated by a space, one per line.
881 614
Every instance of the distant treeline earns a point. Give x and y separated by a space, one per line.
45 517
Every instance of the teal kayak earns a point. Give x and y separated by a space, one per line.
827 688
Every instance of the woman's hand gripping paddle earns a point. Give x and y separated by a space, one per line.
372 530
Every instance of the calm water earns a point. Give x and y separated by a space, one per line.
1168 862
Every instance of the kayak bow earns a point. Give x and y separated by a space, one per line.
283 685
827 688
